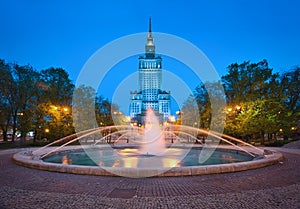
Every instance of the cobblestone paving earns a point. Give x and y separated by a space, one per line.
275 186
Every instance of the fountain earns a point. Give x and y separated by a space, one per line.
150 151
153 140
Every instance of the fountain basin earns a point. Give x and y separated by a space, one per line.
26 159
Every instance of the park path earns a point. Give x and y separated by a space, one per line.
276 186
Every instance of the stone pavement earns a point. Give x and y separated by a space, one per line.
276 186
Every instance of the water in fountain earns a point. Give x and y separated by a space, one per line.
153 140
145 148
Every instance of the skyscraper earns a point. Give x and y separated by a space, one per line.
150 94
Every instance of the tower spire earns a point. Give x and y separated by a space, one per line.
150 29
150 26
150 48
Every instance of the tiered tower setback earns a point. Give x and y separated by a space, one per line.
149 94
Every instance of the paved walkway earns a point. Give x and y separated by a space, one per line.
275 186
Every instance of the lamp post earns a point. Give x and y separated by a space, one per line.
47 131
66 112
235 109
172 120
179 117
238 108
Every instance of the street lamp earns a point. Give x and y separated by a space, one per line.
179 116
172 119
229 109
237 109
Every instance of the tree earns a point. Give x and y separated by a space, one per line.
5 81
204 106
17 95
190 112
84 108
104 111
255 89
59 87
255 118
25 99
290 116
54 104
247 81
210 98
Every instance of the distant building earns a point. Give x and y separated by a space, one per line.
150 93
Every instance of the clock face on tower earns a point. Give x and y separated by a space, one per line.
150 49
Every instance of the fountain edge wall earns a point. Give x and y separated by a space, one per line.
25 159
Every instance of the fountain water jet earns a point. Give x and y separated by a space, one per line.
153 140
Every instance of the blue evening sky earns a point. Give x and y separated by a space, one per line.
65 33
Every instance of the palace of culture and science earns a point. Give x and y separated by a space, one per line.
150 94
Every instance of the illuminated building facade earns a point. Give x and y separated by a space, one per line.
149 94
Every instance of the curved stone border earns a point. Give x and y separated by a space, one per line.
26 159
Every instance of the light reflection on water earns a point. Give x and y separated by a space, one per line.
64 160
130 158
130 162
170 162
